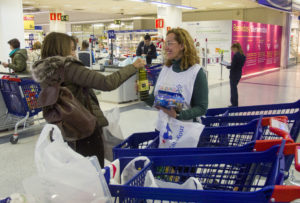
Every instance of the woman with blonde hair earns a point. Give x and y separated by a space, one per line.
237 63
182 75
36 52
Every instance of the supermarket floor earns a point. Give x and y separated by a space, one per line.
17 161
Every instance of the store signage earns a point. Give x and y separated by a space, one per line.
111 34
55 16
168 28
261 44
28 22
159 23
117 22
31 37
65 18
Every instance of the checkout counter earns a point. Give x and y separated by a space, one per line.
125 93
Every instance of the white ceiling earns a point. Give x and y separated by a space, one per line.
109 9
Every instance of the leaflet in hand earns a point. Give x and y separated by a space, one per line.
225 63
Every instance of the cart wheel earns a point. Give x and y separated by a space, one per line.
13 139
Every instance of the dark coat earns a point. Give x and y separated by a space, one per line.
77 77
19 59
150 51
237 63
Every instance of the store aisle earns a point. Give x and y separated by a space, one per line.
17 161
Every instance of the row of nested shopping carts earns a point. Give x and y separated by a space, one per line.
244 155
19 95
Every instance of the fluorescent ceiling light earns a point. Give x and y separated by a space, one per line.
28 8
139 0
186 7
99 25
35 13
160 3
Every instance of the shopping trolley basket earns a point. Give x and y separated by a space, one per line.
232 138
153 73
269 110
225 177
20 97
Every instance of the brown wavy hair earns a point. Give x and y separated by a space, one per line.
238 47
56 44
190 56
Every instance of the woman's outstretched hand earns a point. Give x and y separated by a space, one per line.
139 63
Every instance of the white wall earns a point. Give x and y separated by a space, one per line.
11 26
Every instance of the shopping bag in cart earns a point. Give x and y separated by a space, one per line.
64 175
178 134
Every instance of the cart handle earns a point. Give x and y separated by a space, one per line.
289 149
278 125
285 193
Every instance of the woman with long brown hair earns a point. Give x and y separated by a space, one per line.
182 74
237 63
57 62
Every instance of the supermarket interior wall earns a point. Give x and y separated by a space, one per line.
259 15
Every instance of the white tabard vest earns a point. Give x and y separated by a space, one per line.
182 82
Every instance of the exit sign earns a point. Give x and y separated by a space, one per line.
159 23
55 16
117 22
65 18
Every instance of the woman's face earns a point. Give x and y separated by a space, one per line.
73 49
11 47
234 50
173 49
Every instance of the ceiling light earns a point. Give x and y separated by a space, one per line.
99 25
185 7
160 3
28 8
67 5
35 13
139 0
217 3
44 6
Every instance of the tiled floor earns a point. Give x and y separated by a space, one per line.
17 162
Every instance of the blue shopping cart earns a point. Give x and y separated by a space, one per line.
220 139
20 97
257 110
153 73
225 177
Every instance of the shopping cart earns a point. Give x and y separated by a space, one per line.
268 110
153 73
226 138
225 177
20 97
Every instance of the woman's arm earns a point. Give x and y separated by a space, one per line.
78 74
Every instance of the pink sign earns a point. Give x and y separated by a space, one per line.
261 44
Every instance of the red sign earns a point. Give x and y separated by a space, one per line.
261 44
52 16
55 16
159 23
28 17
168 28
58 16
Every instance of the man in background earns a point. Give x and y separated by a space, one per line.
147 49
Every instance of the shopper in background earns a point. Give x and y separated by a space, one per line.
102 48
237 63
56 56
18 56
74 48
35 54
85 46
147 49
182 70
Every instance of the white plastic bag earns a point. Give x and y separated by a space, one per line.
178 134
63 175
130 170
113 118
133 168
191 183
